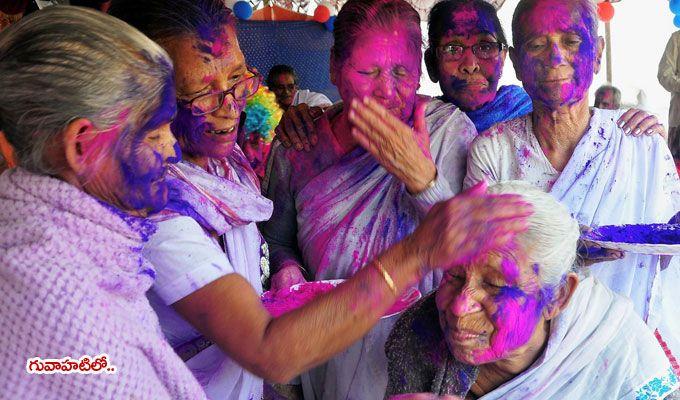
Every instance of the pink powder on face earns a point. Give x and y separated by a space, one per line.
383 65
464 21
510 270
207 79
578 65
514 321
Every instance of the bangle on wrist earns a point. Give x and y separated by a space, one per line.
386 276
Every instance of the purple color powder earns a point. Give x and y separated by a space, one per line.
640 233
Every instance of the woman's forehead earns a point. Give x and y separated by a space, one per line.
194 66
379 46
467 20
551 17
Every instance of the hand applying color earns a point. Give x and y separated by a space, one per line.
393 143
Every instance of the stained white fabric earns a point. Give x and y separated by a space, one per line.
312 99
334 213
611 179
598 348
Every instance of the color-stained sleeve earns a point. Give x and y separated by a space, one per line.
668 66
450 140
482 162
280 231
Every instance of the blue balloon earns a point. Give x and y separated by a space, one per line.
676 21
330 24
675 6
243 9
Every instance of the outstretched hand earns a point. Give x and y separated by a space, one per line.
393 143
471 224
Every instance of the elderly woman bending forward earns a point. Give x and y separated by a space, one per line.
86 104
520 324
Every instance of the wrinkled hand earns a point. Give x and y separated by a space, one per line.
424 396
636 122
471 224
287 276
296 127
590 253
393 143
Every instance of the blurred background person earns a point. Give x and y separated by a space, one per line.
283 81
608 97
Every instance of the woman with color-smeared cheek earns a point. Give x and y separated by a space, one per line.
467 50
520 324
581 155
85 112
209 257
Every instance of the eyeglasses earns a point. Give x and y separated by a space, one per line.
481 50
208 103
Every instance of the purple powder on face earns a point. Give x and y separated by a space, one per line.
640 233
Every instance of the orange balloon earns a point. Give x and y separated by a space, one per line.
321 14
605 11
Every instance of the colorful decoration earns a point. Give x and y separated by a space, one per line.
605 11
243 9
675 6
262 114
322 14
330 24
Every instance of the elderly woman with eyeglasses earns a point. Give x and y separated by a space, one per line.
208 253
581 156
521 324
86 107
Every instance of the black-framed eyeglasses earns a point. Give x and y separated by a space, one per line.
481 50
210 102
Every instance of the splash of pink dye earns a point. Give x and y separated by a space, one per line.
284 301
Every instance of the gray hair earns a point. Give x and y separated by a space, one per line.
63 63
602 90
586 9
551 240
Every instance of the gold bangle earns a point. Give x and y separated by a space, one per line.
386 276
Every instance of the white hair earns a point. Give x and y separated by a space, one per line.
63 63
551 240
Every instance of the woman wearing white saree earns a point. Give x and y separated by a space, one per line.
521 324
380 163
581 156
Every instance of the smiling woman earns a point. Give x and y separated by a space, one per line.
207 251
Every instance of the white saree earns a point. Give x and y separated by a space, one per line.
334 213
611 179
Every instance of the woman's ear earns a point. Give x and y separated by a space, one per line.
76 137
598 54
431 65
562 297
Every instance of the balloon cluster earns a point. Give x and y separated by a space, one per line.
675 8
322 14
605 11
